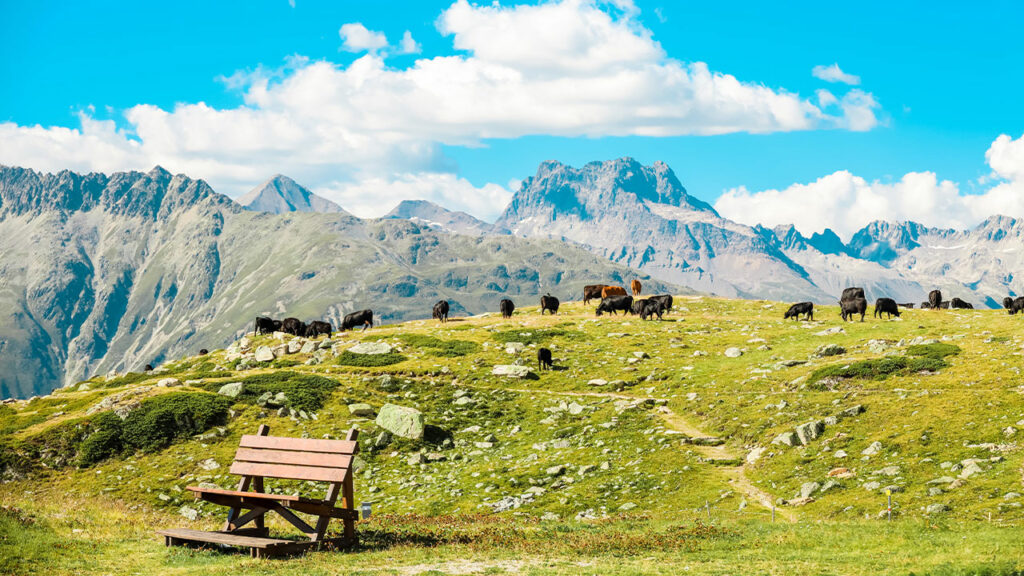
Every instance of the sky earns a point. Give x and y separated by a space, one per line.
816 114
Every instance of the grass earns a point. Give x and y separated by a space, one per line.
930 407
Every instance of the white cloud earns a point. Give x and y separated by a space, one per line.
409 45
357 38
835 74
375 196
845 203
570 68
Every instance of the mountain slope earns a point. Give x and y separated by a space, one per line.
105 273
281 194
429 214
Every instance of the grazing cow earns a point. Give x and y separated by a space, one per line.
293 326
266 325
799 308
316 328
886 306
1008 302
613 304
908 305
650 308
665 300
592 292
960 304
637 306
441 310
636 287
944 305
544 359
851 294
612 291
148 368
926 305
506 307
1018 305
203 351
362 318
935 299
852 307
549 303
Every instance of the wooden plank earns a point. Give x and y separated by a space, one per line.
318 459
300 444
264 495
289 471
222 538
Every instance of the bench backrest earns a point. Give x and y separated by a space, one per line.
295 458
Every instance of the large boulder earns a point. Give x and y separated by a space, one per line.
371 348
511 370
361 410
232 389
810 431
264 354
401 421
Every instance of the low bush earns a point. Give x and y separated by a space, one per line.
304 391
937 351
161 419
877 368
439 347
348 358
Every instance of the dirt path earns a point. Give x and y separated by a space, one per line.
734 474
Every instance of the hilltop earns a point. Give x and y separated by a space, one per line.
717 415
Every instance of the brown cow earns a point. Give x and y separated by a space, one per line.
612 291
592 292
636 287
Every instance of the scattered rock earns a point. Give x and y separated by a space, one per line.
555 470
873 449
264 354
401 421
754 455
829 350
209 464
189 513
810 431
787 438
597 382
361 410
733 352
808 488
830 331
168 382
511 371
970 469
936 509
232 389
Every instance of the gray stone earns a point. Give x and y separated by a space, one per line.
936 509
810 431
232 389
597 382
808 488
889 471
733 352
371 348
189 513
209 464
830 331
829 350
308 348
556 470
294 346
361 410
787 438
942 480
852 411
627 507
264 354
872 486
264 398
970 469
415 459
168 382
511 371
873 449
383 439
401 421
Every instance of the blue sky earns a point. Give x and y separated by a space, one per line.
942 78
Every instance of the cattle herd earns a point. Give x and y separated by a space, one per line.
852 302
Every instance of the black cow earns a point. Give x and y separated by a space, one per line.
960 304
799 308
1008 302
148 368
317 328
1018 305
293 326
266 325
935 299
853 307
544 359
441 311
549 303
944 305
926 305
638 305
851 294
506 307
203 351
908 305
592 292
886 306
649 309
665 300
613 304
362 318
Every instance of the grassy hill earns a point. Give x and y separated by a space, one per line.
655 447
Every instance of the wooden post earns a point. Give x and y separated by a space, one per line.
243 485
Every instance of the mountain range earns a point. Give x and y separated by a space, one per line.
108 273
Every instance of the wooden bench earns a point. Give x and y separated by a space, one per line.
261 456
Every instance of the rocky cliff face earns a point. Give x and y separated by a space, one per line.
101 273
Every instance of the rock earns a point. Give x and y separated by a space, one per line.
555 470
209 464
383 439
169 383
463 400
829 350
401 421
873 449
514 348
84 387
839 454
371 348
810 431
597 382
361 410
733 352
264 354
415 459
627 507
575 409
830 331
840 473
942 480
308 348
1009 431
872 486
640 355
189 513
279 399
799 501
264 398
387 384
294 346
754 455
787 438
936 509
588 468
829 485
889 471
935 491
244 343
970 469
511 371
852 411
808 488
231 390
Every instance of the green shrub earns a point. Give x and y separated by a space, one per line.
284 363
348 358
877 369
439 347
129 378
536 336
306 392
938 350
161 419
104 442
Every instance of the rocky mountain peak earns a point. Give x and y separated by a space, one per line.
281 194
430 214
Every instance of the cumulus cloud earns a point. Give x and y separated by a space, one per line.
357 38
846 203
409 45
372 196
835 74
570 68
